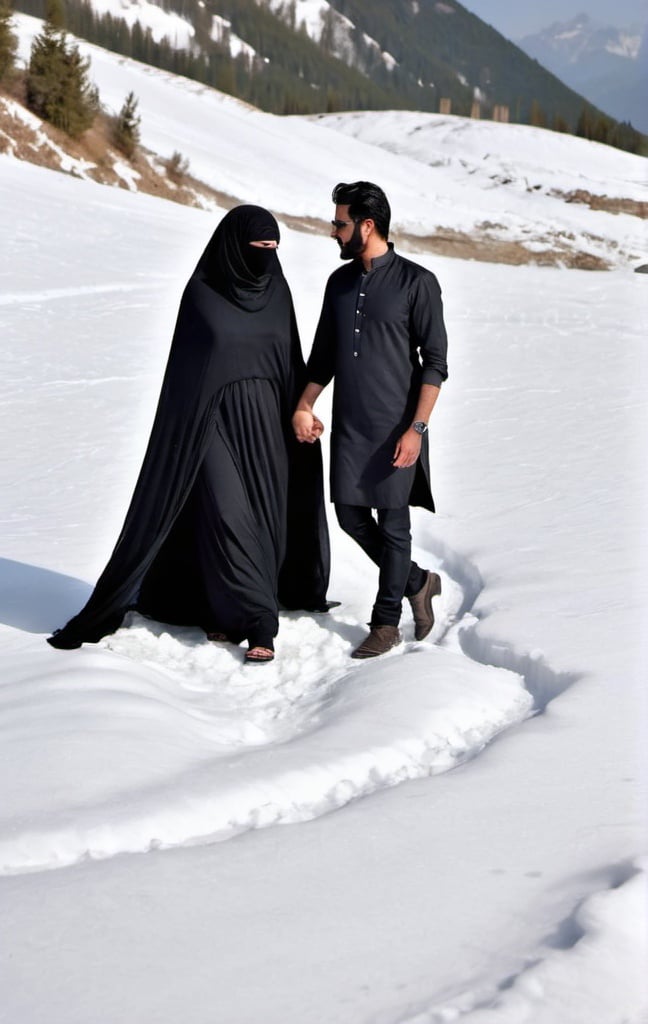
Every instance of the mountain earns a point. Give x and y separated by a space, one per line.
458 186
607 64
308 56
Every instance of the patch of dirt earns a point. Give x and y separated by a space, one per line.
474 246
480 246
26 137
635 207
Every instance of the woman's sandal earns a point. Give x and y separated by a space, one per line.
219 638
258 656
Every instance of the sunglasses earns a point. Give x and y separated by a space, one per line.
339 224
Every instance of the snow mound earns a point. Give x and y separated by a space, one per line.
180 744
592 968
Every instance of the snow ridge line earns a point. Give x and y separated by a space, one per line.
300 791
604 930
320 769
542 682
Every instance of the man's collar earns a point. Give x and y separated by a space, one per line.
381 261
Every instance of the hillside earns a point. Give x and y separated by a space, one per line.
307 56
495 192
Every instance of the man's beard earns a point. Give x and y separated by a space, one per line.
354 247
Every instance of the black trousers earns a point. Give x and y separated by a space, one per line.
388 542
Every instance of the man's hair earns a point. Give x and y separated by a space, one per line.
365 200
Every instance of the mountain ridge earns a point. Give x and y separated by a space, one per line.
608 64
309 56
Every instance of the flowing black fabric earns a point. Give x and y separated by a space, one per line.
227 519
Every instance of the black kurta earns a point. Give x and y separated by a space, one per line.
381 335
227 517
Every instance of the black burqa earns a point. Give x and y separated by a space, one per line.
227 519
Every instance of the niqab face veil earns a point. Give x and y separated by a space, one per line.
244 274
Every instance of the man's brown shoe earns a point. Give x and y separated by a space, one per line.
380 640
422 605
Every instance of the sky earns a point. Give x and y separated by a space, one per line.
515 20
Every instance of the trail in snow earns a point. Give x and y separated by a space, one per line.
206 748
578 969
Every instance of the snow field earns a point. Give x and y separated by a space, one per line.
507 890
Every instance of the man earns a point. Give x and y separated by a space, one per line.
381 335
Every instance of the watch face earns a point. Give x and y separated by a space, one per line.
420 427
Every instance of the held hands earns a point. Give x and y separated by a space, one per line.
408 449
307 426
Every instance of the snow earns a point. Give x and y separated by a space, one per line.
221 26
435 168
573 33
626 45
481 150
311 13
389 61
464 821
163 24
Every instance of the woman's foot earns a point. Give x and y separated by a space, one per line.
259 655
219 638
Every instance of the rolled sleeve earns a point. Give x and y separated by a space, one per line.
427 329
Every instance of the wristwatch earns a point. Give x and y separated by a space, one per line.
419 426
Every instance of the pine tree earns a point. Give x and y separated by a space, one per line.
177 166
538 116
327 38
624 136
8 41
58 87
585 126
126 127
601 129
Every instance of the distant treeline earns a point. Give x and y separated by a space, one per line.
309 82
422 36
291 74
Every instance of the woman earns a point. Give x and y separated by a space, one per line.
227 518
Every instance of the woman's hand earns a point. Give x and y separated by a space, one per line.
307 426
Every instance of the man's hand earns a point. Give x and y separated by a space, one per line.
307 426
408 449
